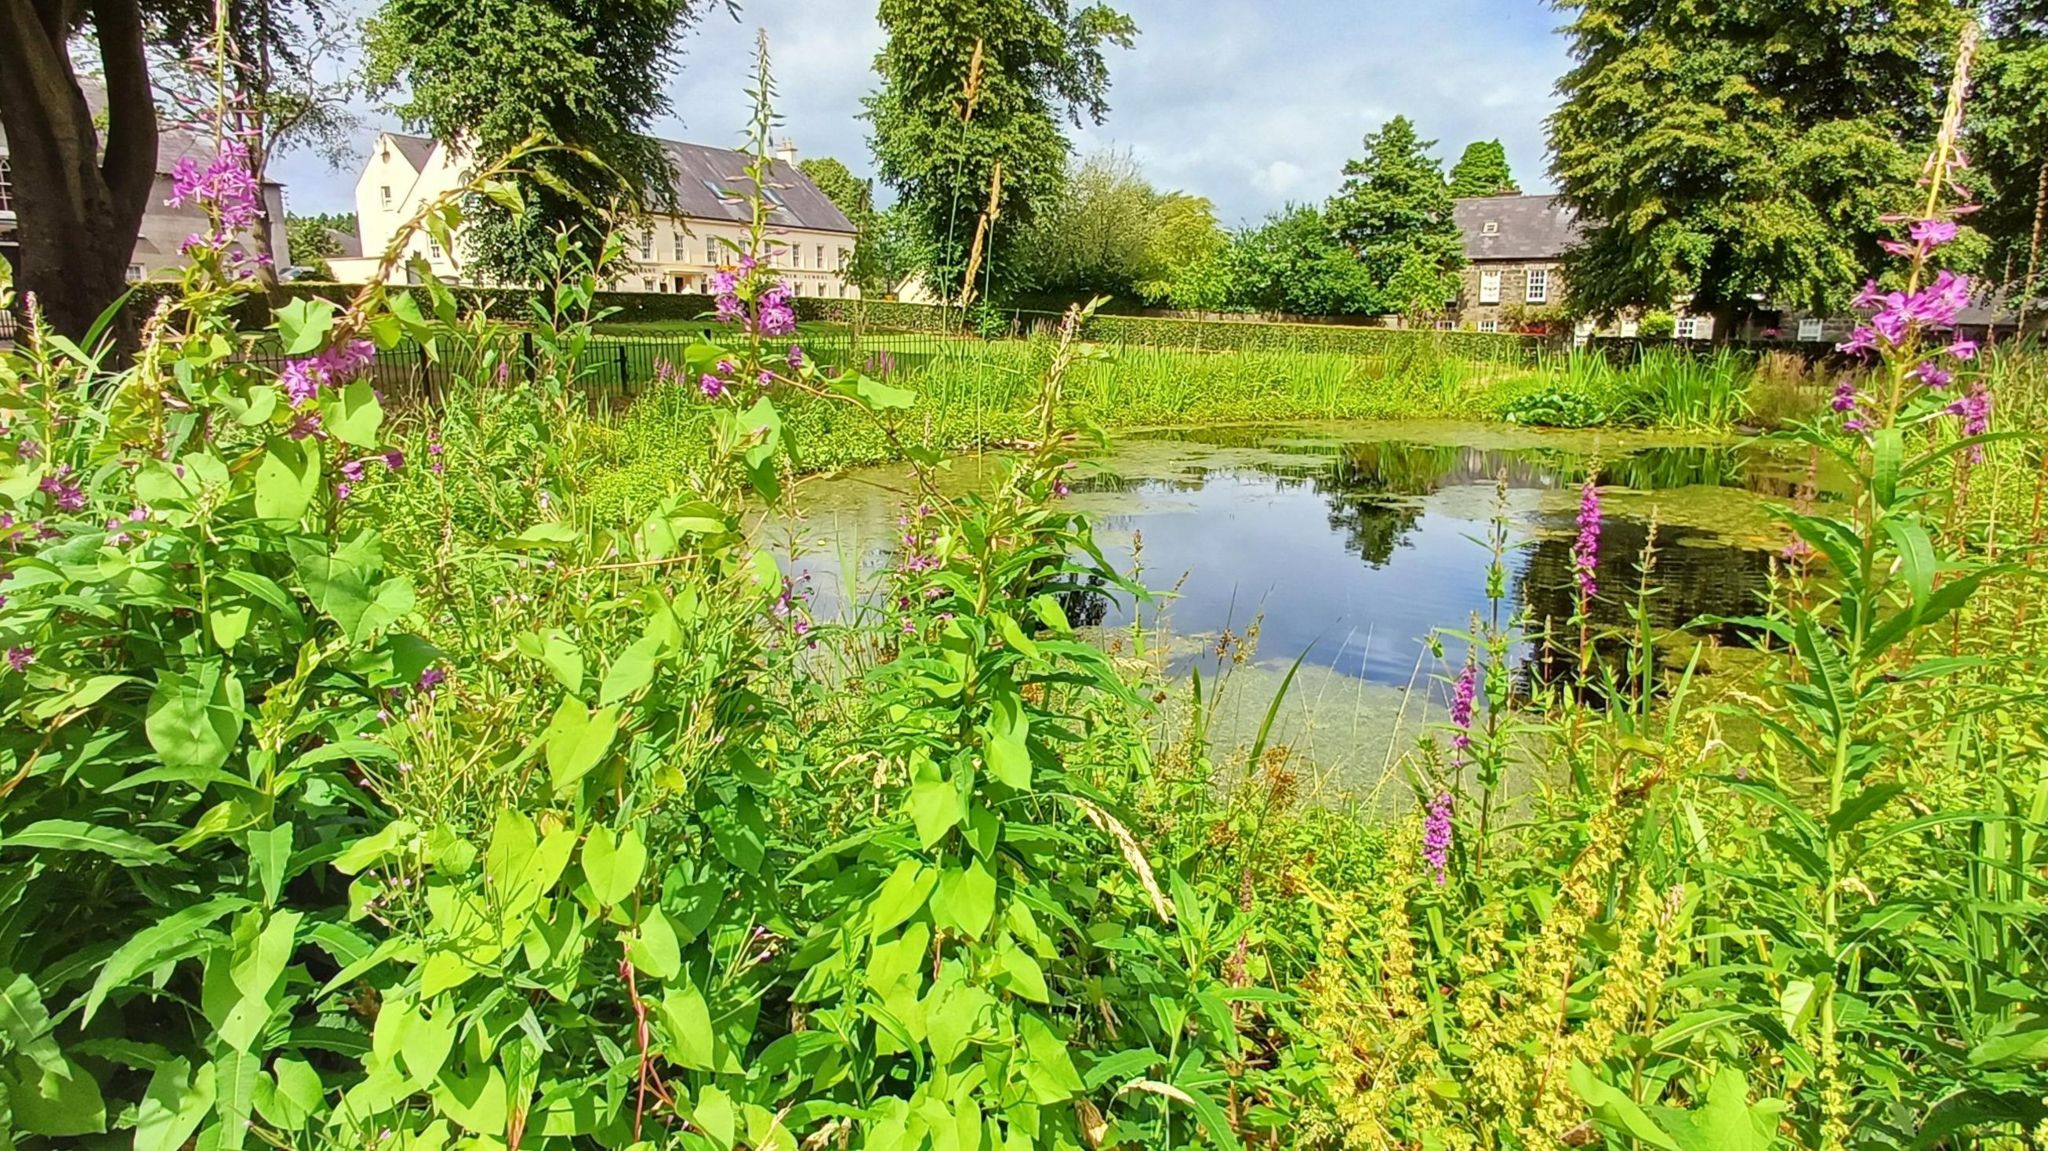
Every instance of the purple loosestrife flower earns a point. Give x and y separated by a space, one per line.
28 450
432 678
1586 549
1932 233
1963 348
728 369
1845 396
353 471
20 657
1933 375
796 358
1862 339
225 187
342 491
58 486
1974 410
1462 699
331 367
1436 837
394 460
765 378
711 386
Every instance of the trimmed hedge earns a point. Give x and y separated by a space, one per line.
1259 336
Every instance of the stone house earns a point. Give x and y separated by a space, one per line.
670 253
160 238
1514 268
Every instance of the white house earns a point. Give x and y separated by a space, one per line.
671 253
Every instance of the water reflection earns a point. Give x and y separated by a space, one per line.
1354 547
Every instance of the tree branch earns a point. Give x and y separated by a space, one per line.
129 166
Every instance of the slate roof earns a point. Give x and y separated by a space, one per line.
415 149
173 142
711 184
1529 227
347 244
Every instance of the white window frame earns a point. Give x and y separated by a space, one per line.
433 246
647 243
647 283
1686 328
1812 329
1490 228
1489 325
137 274
384 195
1536 289
1489 286
711 250
796 255
6 184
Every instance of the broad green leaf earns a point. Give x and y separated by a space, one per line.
173 1106
1022 973
303 324
64 1101
613 866
632 671
714 1116
1008 753
1888 452
901 896
653 949
577 741
1617 1111
287 478
296 1097
935 805
965 899
1048 1067
1727 1122
688 1020
195 720
354 416
269 854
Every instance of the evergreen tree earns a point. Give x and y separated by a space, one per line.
1394 211
587 74
1729 152
968 85
1483 171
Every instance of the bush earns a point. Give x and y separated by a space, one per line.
1251 336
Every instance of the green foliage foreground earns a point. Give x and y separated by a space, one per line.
368 785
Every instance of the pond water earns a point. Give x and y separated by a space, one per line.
1354 543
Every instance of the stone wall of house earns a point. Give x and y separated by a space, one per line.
1514 292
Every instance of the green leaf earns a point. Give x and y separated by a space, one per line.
577 741
195 720
902 895
123 847
355 416
612 866
714 1114
653 949
1728 1122
1005 738
874 393
287 478
632 671
1022 973
935 804
1048 1067
965 899
560 653
173 1106
688 1019
297 1097
1617 1111
62 1101
269 853
1888 453
143 949
303 324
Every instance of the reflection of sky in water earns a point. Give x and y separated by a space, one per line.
1355 547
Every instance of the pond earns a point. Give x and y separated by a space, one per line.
1353 544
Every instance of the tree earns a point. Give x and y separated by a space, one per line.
1483 171
312 242
1295 263
1097 236
1721 153
853 195
267 89
1187 265
971 88
584 74
2008 127
1394 211
80 191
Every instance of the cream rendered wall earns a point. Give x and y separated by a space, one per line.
685 251
379 217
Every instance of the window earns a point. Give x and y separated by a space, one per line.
796 256
433 246
1489 325
1810 329
1539 286
842 259
1489 287
647 283
678 247
821 257
711 250
647 243
1446 326
1490 228
6 185
1687 328
135 273
384 195
1629 327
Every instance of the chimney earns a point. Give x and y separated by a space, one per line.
786 151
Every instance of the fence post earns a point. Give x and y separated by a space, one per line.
426 371
526 346
622 367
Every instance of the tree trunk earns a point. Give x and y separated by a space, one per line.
78 211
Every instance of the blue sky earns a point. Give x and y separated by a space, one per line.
1252 103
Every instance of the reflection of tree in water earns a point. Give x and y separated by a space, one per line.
1086 601
1688 583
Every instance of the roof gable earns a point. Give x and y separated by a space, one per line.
712 184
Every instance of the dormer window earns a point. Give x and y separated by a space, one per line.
1490 228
